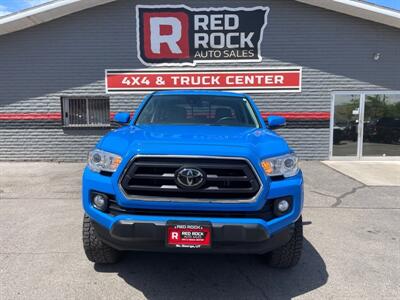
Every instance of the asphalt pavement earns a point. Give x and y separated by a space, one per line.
352 246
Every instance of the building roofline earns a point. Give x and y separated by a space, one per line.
58 8
44 13
360 9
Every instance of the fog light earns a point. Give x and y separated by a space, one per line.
100 201
283 205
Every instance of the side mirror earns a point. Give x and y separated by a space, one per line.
274 122
122 118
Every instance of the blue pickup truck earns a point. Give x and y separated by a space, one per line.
198 172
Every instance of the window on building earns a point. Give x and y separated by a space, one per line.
85 111
366 124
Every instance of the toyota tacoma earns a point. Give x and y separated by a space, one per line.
198 172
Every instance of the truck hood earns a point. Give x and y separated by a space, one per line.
194 140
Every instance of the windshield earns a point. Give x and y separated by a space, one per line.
198 110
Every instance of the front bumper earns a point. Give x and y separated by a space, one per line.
226 238
232 234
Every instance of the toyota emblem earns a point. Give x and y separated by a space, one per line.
189 178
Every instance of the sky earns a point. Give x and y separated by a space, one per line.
10 6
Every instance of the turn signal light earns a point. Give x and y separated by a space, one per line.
266 165
115 163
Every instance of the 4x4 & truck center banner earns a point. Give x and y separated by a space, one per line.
249 80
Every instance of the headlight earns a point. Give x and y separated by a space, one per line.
285 165
100 160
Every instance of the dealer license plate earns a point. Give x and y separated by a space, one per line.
188 235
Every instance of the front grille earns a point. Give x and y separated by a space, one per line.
226 179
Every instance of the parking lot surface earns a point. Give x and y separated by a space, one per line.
352 246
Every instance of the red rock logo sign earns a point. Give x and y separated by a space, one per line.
179 35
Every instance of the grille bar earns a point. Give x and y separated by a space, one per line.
226 179
178 190
265 213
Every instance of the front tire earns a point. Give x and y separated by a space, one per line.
288 255
95 250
